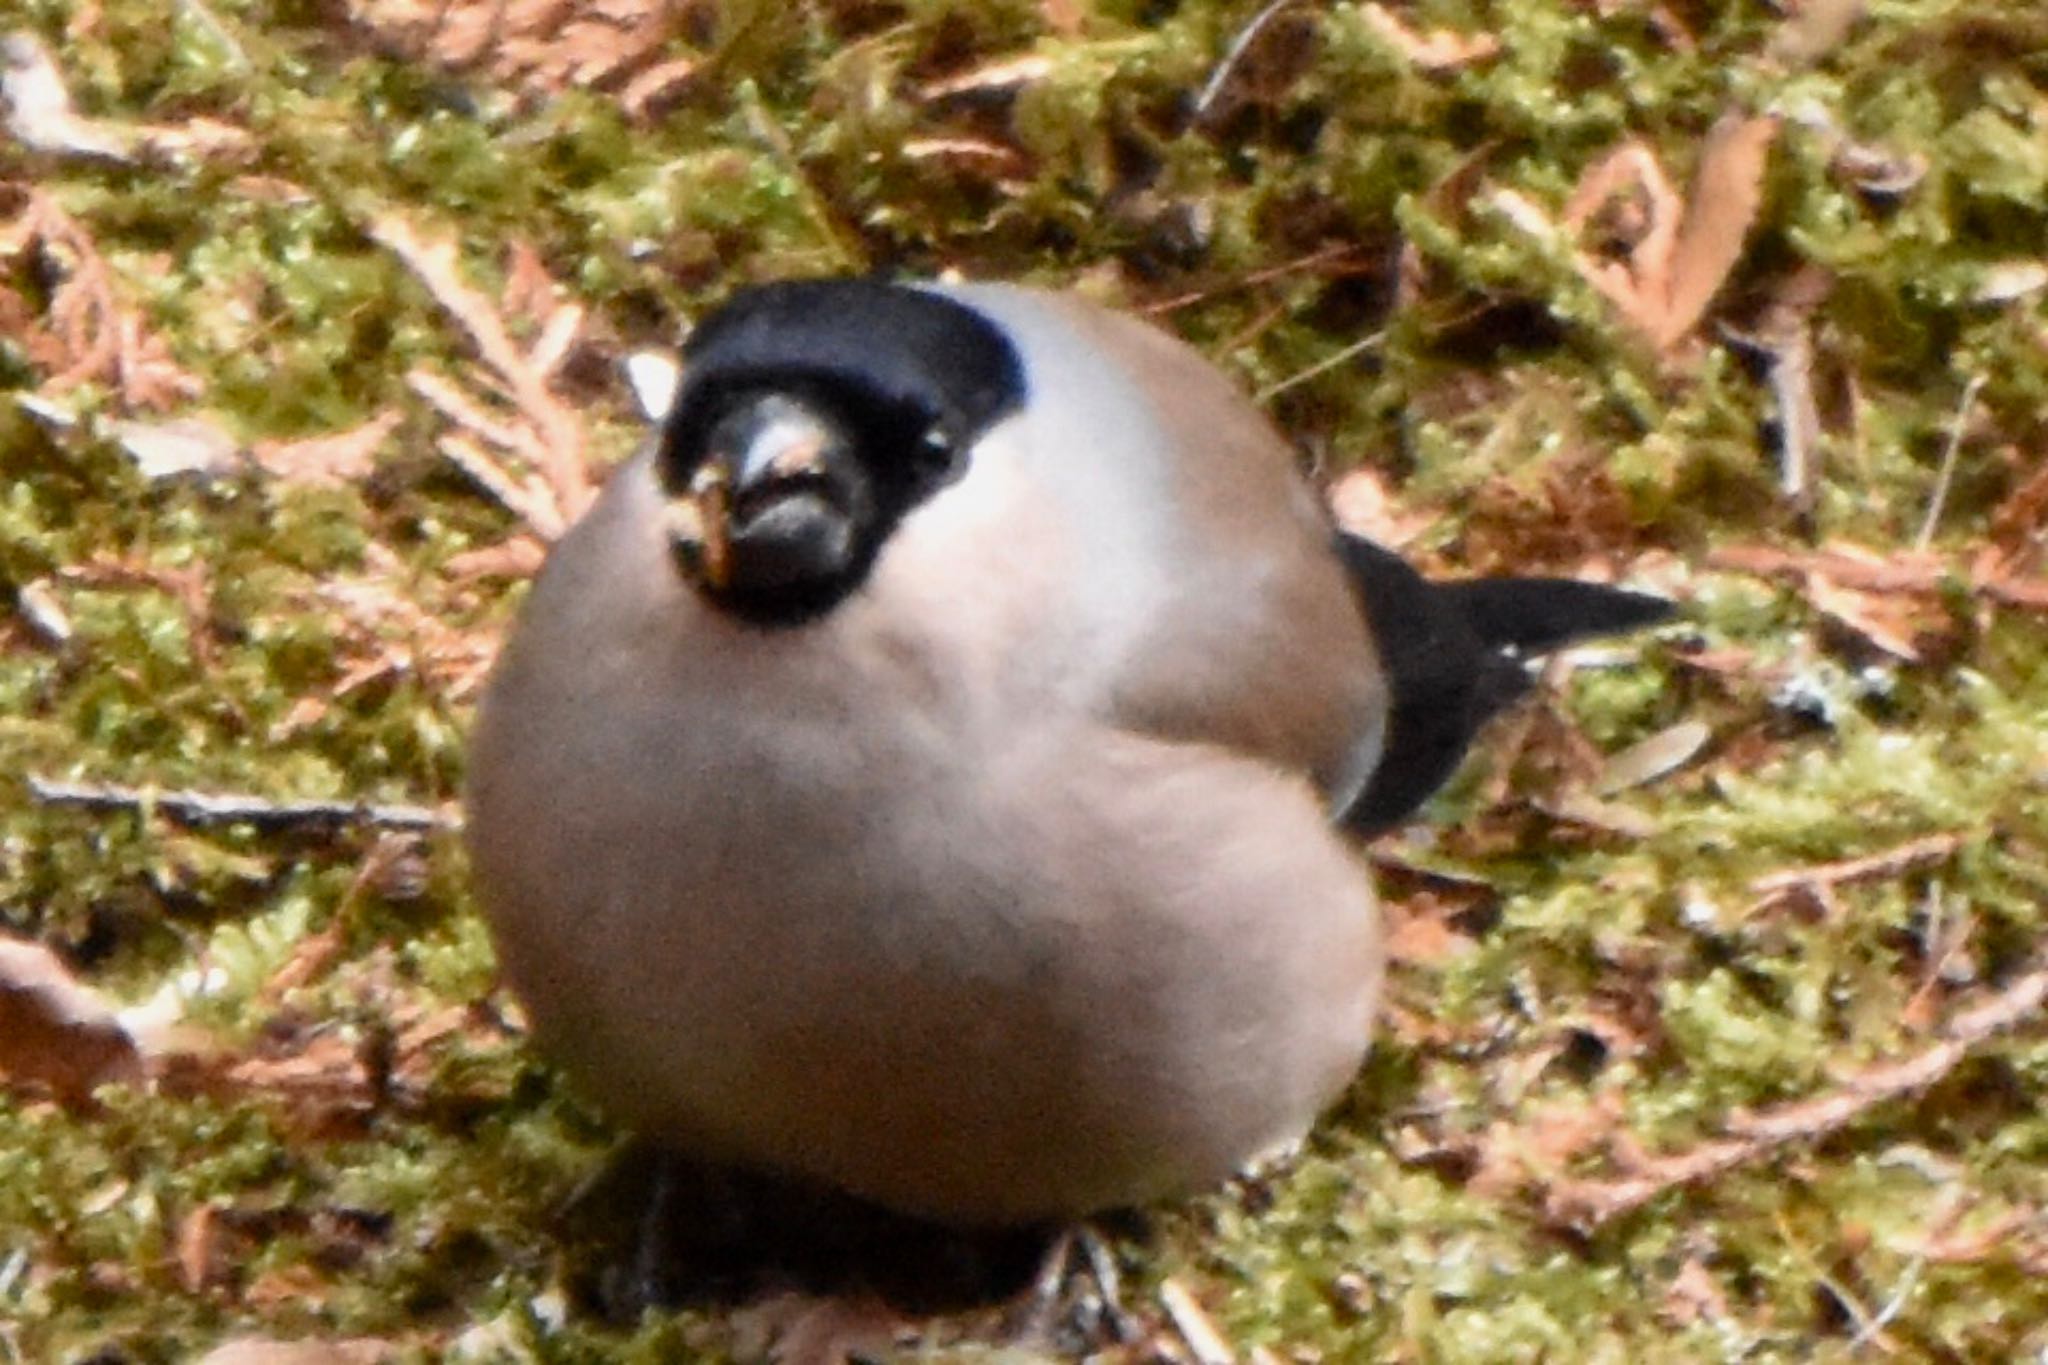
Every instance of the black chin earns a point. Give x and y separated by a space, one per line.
797 539
792 558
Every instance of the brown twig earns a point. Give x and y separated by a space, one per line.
1324 255
1754 1136
1329 362
1907 857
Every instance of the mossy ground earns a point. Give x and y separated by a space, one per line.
1624 966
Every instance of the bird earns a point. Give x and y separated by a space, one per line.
935 768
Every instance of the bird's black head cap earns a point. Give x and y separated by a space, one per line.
880 390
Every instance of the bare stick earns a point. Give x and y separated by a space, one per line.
1212 89
1205 1342
1947 475
1587 1203
1323 366
235 808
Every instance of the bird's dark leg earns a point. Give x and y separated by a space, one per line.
1060 1311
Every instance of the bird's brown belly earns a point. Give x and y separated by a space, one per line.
988 972
893 1007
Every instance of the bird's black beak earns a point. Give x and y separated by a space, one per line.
776 503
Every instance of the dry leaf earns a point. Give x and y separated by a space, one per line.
202 1257
1363 505
41 117
391 634
1727 190
178 446
1892 608
654 377
39 111
56 1032
1419 932
529 294
1919 574
1639 283
1694 1296
1588 812
1885 621
1064 17
1813 29
1678 253
37 604
516 558
1513 1156
1949 1245
655 88
1440 49
1002 76
205 138
1664 752
340 457
309 959
190 587
2010 280
298 1285
2016 545
992 156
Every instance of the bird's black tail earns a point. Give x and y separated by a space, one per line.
1453 655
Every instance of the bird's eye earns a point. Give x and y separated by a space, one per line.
936 452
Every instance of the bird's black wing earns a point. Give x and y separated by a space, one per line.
1453 655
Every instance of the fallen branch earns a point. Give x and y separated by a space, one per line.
1823 877
231 808
1587 1204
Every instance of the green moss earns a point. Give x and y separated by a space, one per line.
1494 396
